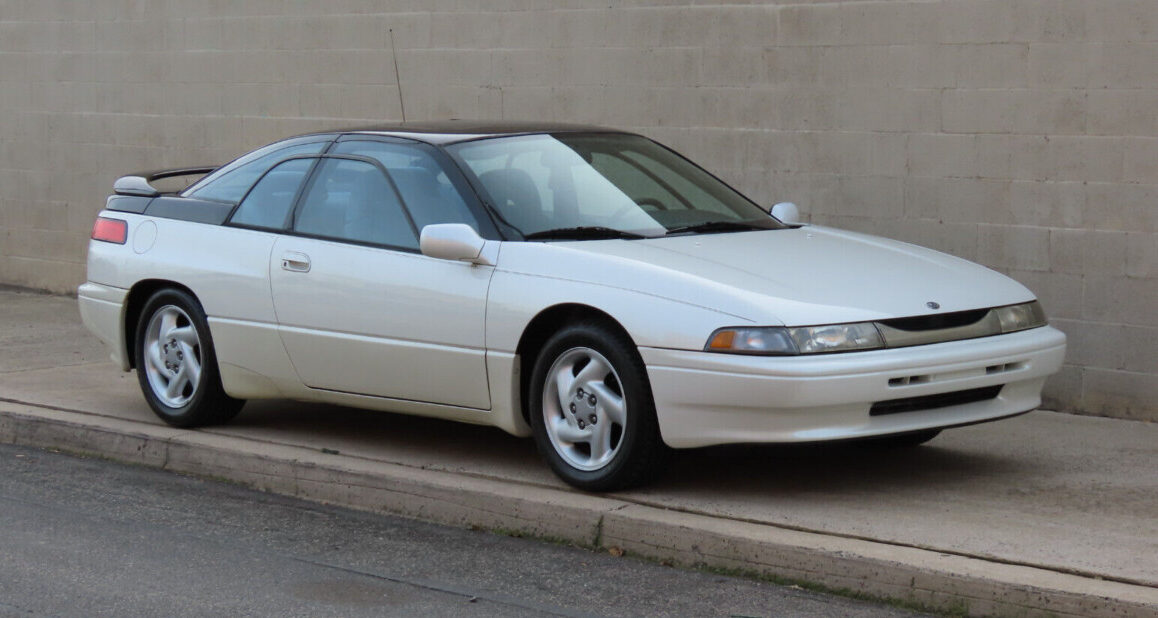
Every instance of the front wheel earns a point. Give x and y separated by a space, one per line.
592 411
176 364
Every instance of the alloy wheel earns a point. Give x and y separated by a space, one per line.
584 409
173 353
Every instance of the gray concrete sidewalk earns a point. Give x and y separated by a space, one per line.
1048 493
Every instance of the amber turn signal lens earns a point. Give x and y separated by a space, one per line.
723 340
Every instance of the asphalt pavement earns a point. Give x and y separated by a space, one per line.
1058 496
88 537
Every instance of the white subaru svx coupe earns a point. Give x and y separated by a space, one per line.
586 286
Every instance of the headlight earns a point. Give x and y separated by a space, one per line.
781 341
836 338
1020 317
787 341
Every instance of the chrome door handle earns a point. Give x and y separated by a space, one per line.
295 262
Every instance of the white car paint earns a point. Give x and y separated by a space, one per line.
383 323
438 332
704 399
406 332
792 277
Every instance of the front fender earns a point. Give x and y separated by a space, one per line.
651 321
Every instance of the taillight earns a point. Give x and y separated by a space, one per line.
110 230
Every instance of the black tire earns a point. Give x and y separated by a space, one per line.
904 440
637 454
192 403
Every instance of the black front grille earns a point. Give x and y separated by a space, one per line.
931 402
938 321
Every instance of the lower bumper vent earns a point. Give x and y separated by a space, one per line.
931 402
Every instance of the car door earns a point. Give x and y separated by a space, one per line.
233 266
360 309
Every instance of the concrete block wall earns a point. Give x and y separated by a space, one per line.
1022 134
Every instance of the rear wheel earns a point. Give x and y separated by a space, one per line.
592 412
176 364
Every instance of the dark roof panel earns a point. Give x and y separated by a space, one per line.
448 131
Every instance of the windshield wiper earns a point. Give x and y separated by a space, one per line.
583 232
717 226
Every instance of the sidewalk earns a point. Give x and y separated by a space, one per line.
1043 513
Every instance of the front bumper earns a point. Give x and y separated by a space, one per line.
705 398
102 309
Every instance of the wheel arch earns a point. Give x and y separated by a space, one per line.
540 328
138 295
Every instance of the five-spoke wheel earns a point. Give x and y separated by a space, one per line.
583 408
591 409
176 365
173 354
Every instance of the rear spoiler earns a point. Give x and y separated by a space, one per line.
140 184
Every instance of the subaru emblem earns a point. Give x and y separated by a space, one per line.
933 305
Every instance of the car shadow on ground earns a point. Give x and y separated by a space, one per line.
784 470
837 467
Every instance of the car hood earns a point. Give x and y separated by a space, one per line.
801 276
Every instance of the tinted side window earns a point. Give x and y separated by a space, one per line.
426 188
269 203
353 200
230 185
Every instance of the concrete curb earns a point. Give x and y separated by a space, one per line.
931 578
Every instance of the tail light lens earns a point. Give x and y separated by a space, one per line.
110 230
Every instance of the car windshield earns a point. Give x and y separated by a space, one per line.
605 185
